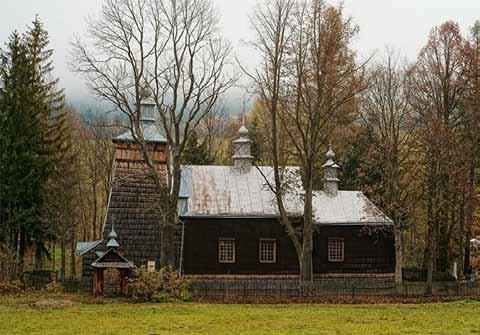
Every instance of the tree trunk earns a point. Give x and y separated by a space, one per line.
466 261
471 202
94 223
306 265
37 258
427 250
53 257
398 257
73 263
442 254
21 249
430 266
167 247
429 282
62 260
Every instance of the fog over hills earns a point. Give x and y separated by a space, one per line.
403 25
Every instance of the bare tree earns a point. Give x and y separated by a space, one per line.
171 49
308 80
212 130
271 25
441 78
471 124
387 115
97 158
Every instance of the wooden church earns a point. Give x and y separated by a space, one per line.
229 223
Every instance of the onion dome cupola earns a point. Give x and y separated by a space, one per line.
242 157
330 169
112 242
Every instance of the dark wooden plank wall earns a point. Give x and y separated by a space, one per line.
364 253
201 246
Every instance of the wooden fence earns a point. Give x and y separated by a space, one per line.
290 290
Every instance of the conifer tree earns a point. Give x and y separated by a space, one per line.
57 135
34 139
195 152
24 166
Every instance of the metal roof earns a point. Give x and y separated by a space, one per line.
347 207
225 191
117 265
119 262
113 243
151 133
83 247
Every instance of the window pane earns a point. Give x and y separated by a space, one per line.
226 251
268 251
335 249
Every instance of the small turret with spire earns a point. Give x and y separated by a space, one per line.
147 107
112 242
242 157
330 169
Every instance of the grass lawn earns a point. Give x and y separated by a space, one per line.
462 317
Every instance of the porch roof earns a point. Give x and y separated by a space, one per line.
112 259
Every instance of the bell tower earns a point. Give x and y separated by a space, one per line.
133 192
128 153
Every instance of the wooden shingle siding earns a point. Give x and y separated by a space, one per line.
131 152
134 205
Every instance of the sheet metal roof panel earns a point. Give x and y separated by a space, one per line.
225 191
347 207
83 247
186 183
151 133
117 265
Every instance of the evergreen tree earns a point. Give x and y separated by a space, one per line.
196 153
24 166
33 141
57 138
49 100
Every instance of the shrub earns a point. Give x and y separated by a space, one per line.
9 265
11 287
145 284
173 283
165 285
162 297
54 287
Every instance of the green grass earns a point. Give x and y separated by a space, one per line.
462 317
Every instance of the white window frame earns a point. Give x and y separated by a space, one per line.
151 266
220 258
335 242
260 243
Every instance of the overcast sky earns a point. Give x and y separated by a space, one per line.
401 24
